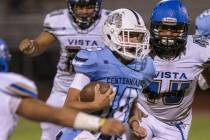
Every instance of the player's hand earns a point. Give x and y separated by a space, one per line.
102 101
138 131
26 46
113 127
134 122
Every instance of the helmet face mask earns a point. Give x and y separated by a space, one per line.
4 56
169 29
84 12
124 35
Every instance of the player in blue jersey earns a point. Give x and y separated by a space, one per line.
123 63
202 22
179 59
77 26
18 98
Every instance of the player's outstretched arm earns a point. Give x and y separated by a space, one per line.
38 111
34 47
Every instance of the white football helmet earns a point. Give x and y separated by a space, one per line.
120 26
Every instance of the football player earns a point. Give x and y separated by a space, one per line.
123 63
202 28
18 97
77 26
179 59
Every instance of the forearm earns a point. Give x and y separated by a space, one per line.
42 42
34 47
134 115
82 106
36 110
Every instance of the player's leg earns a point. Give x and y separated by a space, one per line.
178 132
163 131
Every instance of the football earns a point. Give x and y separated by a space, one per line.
87 94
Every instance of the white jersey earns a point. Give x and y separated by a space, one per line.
71 38
11 99
169 98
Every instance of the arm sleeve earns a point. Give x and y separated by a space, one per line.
14 103
80 81
22 89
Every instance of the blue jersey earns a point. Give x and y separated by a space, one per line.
202 23
127 80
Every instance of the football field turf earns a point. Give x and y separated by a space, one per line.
30 131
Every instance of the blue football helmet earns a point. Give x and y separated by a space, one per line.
4 56
202 24
169 16
82 21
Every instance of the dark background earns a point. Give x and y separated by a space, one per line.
24 18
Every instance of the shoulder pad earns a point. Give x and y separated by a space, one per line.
56 13
85 62
52 20
201 41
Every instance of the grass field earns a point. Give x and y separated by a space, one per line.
30 131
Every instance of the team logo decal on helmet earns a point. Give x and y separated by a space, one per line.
115 19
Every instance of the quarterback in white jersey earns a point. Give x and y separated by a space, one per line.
78 26
17 95
179 60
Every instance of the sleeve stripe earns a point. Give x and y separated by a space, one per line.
20 90
6 92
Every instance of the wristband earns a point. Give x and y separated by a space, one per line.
102 121
88 122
